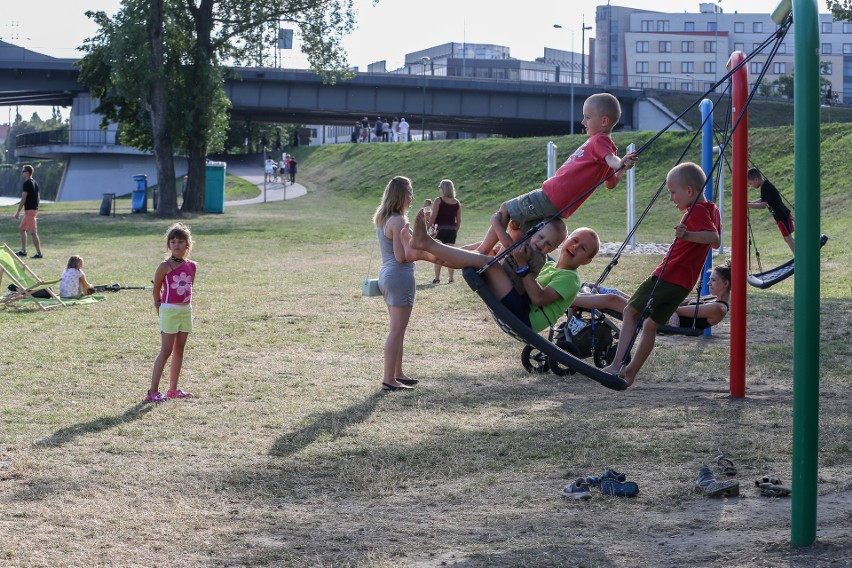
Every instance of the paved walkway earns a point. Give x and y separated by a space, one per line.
274 191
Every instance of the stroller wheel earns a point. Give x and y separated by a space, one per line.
559 369
534 361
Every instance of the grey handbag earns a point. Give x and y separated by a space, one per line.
370 286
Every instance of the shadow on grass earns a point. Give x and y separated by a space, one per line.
328 424
69 433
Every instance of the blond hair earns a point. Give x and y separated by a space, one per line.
596 247
393 200
606 105
447 188
688 174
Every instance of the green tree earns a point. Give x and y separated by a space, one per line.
195 39
841 9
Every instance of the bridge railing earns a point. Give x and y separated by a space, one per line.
68 136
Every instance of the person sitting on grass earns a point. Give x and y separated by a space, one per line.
710 309
73 283
673 280
546 297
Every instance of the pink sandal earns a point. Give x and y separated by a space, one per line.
178 394
156 396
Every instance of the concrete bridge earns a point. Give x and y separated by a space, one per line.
453 104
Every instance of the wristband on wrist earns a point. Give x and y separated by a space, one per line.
523 271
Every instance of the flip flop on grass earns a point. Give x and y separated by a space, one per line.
726 466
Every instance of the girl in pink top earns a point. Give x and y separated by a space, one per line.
173 283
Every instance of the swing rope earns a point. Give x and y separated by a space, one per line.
780 34
777 35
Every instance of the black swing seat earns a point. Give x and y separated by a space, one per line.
764 280
663 329
511 325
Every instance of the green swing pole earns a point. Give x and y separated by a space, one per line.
806 302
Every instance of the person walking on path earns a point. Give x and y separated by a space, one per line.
30 200
292 168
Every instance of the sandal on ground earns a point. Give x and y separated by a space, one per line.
577 489
773 490
178 394
156 396
451 280
620 488
609 473
707 484
726 466
436 281
771 479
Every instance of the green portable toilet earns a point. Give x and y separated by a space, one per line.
214 187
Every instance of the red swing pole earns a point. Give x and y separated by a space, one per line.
739 208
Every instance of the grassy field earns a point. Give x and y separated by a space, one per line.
291 456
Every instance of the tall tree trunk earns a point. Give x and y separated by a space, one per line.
202 78
158 109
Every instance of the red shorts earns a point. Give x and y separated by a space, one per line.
786 227
29 222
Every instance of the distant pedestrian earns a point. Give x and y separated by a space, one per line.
282 168
356 132
292 168
403 130
30 200
268 169
379 126
385 131
365 129
395 129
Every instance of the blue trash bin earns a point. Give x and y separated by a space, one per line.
139 199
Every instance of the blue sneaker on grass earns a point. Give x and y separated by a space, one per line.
577 489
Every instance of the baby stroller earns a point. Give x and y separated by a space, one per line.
585 333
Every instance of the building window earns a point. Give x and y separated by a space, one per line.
641 85
757 27
709 47
686 86
641 66
665 67
826 27
665 47
739 27
847 49
709 66
782 48
689 26
662 25
665 86
755 47
687 46
826 49
708 85
779 68
755 67
825 68
642 47
711 26
687 67
739 47
647 25
847 27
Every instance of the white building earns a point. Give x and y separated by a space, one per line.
688 51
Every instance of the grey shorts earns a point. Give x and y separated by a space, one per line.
530 208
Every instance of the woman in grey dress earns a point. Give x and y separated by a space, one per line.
396 276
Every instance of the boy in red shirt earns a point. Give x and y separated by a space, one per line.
699 229
589 165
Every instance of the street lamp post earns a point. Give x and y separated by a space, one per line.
573 68
424 61
583 51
